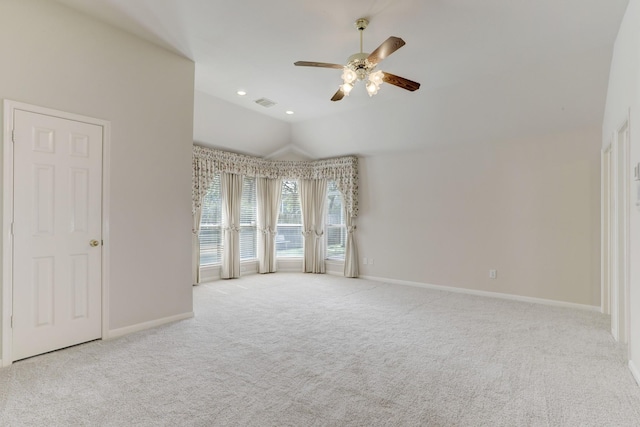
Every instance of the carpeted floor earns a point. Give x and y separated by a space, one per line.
310 350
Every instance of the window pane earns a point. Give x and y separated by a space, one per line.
290 212
289 240
248 243
336 240
289 237
335 213
248 216
210 236
210 245
335 225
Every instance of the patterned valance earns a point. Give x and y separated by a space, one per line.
208 161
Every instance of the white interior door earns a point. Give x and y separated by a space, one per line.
57 226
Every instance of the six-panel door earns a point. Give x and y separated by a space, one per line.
57 292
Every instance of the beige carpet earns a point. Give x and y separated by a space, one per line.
309 350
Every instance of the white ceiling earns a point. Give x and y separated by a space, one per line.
551 57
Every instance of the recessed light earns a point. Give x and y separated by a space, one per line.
241 92
289 112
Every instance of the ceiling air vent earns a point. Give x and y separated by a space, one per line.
265 102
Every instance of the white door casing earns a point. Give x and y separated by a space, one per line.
615 245
605 216
56 280
613 241
623 199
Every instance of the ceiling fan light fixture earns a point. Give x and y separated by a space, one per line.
362 73
348 76
377 78
346 88
372 88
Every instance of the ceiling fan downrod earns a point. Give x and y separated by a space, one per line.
361 25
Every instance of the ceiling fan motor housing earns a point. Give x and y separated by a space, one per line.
360 65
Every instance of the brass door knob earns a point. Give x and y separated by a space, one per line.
94 243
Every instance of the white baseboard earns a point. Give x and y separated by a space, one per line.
209 273
334 267
285 265
485 293
290 265
248 267
634 371
115 333
294 265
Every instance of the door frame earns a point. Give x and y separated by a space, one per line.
623 213
615 243
605 230
6 284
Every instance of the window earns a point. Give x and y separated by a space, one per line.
289 237
336 231
210 225
211 242
248 216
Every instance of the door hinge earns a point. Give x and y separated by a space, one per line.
12 320
13 135
12 228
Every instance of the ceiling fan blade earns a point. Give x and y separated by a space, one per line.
400 82
338 95
387 47
318 64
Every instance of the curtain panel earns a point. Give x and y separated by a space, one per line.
231 186
195 246
313 196
269 193
351 249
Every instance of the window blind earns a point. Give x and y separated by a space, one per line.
210 225
336 231
248 218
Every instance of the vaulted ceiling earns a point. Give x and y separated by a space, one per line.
491 69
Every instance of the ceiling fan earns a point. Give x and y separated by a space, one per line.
361 66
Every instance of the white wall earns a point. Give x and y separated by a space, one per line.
57 58
221 124
623 99
528 208
488 107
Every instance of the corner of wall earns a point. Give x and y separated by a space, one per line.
634 371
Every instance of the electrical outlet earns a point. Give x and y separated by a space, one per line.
364 261
370 261
493 274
